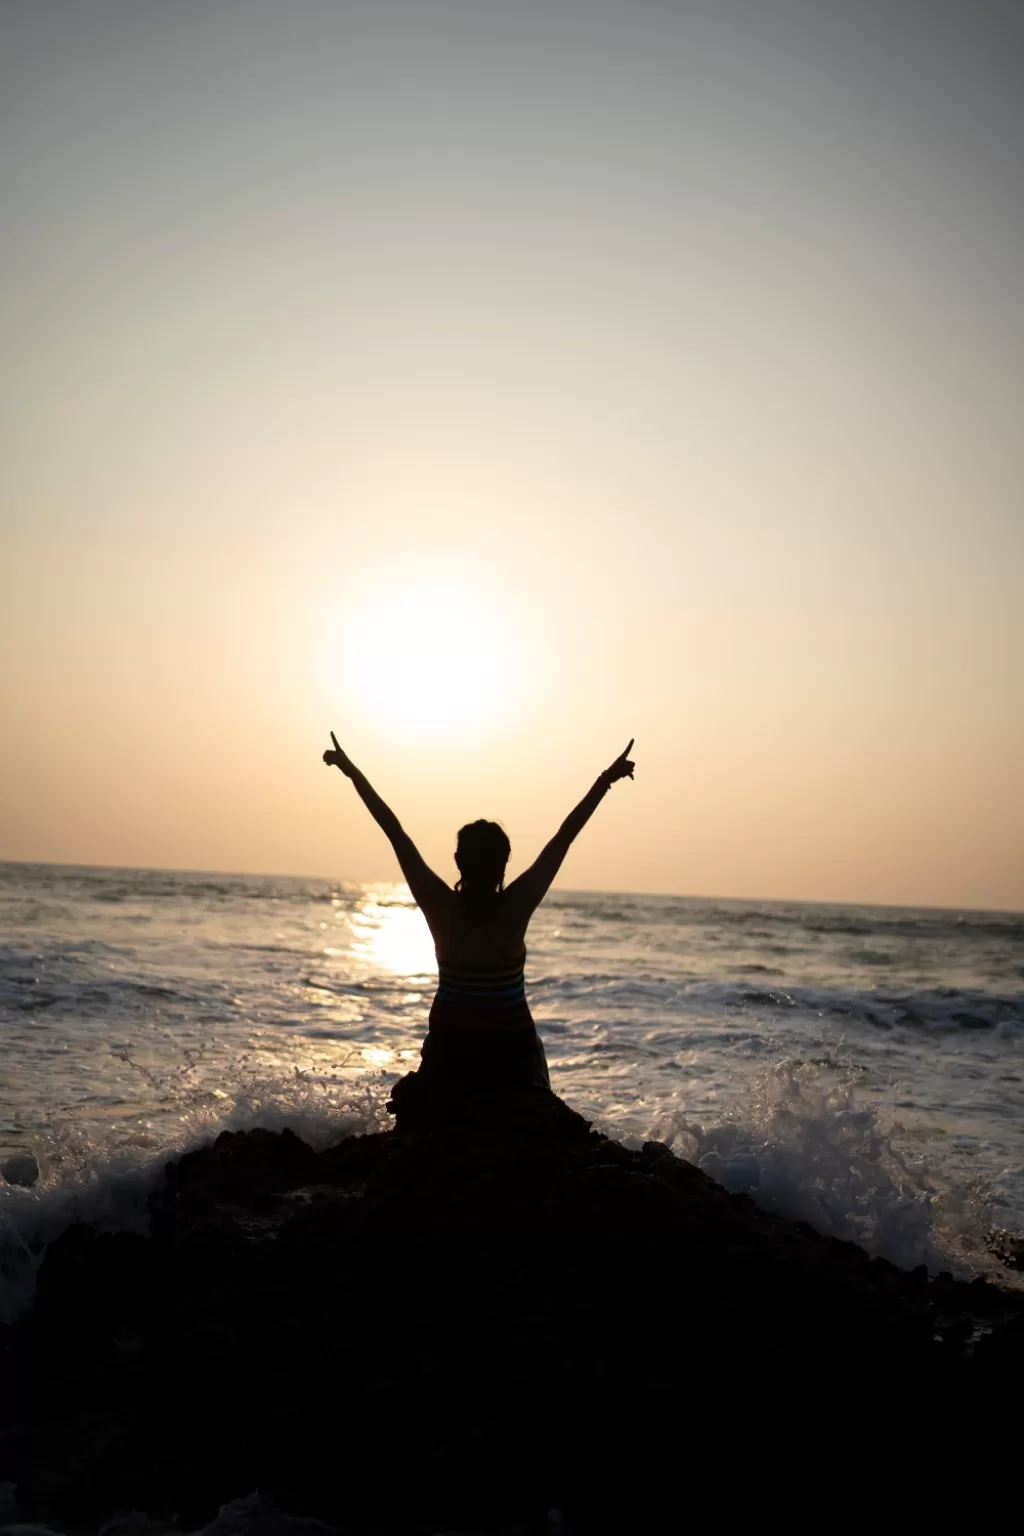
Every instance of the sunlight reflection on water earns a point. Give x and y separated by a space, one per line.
393 936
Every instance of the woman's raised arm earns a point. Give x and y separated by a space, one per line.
529 889
421 879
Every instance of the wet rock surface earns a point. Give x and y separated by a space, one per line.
423 1332
21 1168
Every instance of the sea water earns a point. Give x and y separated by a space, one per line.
858 1068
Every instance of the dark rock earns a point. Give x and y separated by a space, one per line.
462 1328
1008 1247
21 1168
257 1516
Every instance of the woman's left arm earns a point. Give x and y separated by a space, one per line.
421 879
528 890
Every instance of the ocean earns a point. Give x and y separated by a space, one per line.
858 1068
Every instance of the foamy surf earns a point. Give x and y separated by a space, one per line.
105 1181
806 1149
801 1147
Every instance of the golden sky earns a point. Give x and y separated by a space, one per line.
493 384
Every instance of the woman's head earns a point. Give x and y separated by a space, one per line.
481 853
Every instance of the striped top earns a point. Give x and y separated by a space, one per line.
480 998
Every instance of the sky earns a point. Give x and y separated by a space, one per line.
491 384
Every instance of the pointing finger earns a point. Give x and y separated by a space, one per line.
338 749
631 741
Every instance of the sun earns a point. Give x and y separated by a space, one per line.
430 662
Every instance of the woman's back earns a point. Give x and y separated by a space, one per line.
487 934
481 994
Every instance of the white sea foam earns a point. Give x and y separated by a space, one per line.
106 1180
806 1149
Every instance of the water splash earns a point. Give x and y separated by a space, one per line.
105 1180
805 1148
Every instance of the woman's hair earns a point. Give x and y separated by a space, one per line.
481 853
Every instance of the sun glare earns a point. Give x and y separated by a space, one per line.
434 663
394 936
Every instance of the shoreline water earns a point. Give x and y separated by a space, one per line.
860 1068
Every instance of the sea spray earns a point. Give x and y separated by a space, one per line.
105 1181
807 1149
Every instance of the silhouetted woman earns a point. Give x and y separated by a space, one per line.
481 1032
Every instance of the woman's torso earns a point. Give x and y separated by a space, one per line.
467 935
480 959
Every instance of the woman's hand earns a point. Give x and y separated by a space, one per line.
338 759
622 768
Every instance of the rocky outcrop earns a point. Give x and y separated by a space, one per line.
423 1332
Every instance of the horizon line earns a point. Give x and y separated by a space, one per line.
796 901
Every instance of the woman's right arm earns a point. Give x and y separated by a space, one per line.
528 890
420 878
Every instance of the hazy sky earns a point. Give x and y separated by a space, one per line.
494 382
